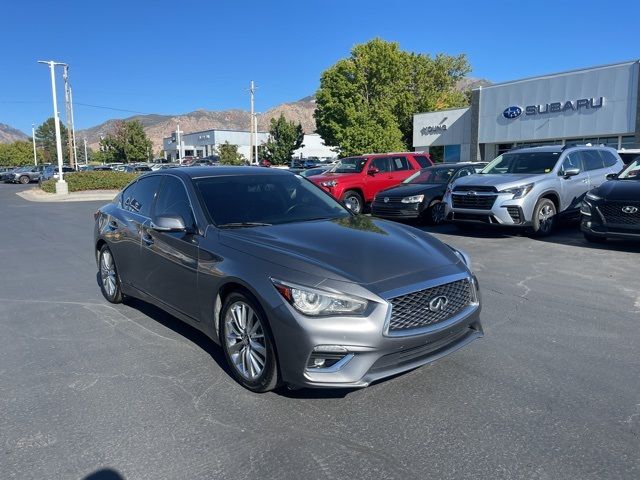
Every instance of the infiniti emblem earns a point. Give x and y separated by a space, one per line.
629 209
386 199
438 303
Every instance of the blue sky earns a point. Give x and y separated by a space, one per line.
175 57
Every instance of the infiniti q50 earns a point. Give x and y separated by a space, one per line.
295 288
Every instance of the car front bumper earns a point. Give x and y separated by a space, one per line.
367 353
593 223
505 211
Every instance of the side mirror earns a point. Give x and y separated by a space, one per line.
571 172
612 176
373 170
168 223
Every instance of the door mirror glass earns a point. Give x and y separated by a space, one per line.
571 172
168 223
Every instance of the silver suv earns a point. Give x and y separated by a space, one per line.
529 187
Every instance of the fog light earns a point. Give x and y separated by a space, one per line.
318 362
588 224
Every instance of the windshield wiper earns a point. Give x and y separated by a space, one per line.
243 224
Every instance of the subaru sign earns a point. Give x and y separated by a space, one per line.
512 112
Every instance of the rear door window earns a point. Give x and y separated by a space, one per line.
608 158
399 164
591 160
572 161
140 198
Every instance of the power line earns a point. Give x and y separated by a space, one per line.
112 108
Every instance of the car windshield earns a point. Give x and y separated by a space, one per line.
249 200
523 162
632 172
431 175
350 165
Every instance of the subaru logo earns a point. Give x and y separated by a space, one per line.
512 112
386 200
438 303
471 193
630 209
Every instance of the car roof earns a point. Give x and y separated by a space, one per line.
208 172
557 148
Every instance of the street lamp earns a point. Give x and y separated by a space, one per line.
33 138
61 186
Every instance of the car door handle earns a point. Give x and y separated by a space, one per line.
147 239
585 181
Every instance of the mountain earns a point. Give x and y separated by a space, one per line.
158 127
9 134
471 83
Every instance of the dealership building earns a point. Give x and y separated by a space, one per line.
598 105
205 143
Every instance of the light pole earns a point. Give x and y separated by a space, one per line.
33 137
86 159
61 186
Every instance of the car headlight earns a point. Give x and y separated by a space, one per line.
461 255
413 199
519 192
315 303
593 196
330 183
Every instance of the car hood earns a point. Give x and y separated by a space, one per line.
357 249
327 176
620 190
500 181
412 189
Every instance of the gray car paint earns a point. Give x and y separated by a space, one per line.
370 258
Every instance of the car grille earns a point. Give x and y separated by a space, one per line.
613 214
477 188
393 207
412 310
479 202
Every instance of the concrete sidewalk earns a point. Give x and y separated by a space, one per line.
38 195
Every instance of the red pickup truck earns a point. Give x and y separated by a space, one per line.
356 180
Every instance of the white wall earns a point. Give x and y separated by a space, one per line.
445 127
313 146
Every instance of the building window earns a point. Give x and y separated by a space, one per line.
451 153
630 141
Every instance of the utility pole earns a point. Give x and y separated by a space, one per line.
33 137
73 129
86 158
67 102
252 91
61 186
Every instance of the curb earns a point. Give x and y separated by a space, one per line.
37 195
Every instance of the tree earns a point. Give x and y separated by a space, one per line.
366 102
18 153
127 142
46 139
229 154
284 138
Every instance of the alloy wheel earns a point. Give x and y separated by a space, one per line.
245 340
545 217
108 273
437 213
354 203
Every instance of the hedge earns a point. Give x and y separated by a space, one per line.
98 180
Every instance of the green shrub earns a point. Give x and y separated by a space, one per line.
100 180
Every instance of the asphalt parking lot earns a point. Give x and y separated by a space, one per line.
88 388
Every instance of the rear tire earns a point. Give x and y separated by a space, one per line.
593 238
24 179
355 200
109 278
248 344
544 217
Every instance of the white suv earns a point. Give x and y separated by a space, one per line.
529 187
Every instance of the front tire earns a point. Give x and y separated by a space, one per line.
544 217
109 279
435 214
24 179
247 344
354 200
